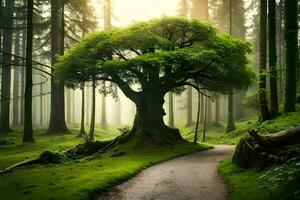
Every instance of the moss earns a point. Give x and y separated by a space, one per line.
80 179
252 184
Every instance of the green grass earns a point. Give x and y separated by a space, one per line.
250 184
11 154
75 179
279 182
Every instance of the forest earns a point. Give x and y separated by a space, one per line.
145 99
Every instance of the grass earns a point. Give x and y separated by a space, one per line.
75 179
279 182
250 184
11 154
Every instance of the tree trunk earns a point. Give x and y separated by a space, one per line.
205 120
273 57
68 109
117 107
264 110
291 39
149 124
103 111
202 109
217 111
198 119
41 102
82 123
189 107
6 70
57 114
28 131
15 122
230 121
93 108
22 85
171 110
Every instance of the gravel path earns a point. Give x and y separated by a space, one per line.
190 177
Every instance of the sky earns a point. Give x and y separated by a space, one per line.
128 11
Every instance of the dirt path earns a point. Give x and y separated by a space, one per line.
189 177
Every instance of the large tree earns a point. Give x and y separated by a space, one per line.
272 57
57 114
158 56
28 130
264 110
292 59
6 69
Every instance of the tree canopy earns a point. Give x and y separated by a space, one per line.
169 52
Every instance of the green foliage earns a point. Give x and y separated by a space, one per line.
167 51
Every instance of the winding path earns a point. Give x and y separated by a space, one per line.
190 177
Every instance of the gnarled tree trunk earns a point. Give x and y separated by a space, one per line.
149 124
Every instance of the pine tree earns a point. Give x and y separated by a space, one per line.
28 130
264 110
292 58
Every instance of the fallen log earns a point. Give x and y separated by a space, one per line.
262 151
284 138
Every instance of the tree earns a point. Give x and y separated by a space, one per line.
230 119
6 67
57 114
292 59
272 57
264 110
82 123
171 110
170 53
93 108
28 131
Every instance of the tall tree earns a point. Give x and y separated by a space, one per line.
57 115
272 57
82 122
230 118
171 110
93 108
28 131
292 59
15 122
6 69
264 110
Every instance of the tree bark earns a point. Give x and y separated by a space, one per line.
103 111
22 85
28 131
264 110
292 62
189 107
117 107
217 111
82 123
93 108
6 70
171 110
230 121
149 124
15 122
273 57
198 119
57 114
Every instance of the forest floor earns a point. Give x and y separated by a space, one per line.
194 176
82 179
78 179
